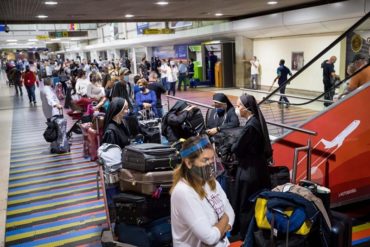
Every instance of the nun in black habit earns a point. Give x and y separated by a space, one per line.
222 116
253 151
115 131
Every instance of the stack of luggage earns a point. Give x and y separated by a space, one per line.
142 208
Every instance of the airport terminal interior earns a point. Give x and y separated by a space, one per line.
185 123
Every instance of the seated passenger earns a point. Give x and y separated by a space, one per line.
222 117
201 214
158 88
115 132
95 91
81 100
146 98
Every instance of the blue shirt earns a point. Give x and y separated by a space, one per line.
182 68
283 72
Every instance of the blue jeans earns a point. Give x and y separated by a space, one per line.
182 78
172 88
31 93
159 112
165 83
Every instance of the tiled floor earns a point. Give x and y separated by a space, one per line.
52 199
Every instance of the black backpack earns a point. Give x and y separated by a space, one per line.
51 132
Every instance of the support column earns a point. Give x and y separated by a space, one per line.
243 53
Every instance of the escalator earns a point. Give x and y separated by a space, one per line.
334 142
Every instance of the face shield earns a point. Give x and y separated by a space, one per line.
205 172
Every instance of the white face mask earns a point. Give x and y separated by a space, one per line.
237 112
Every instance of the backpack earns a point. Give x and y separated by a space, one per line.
51 132
285 219
223 141
194 122
110 156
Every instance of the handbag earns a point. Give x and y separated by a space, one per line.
51 132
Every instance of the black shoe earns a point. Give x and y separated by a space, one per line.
34 102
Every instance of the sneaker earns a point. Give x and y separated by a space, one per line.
34 102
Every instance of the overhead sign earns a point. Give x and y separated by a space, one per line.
74 26
158 31
141 26
67 34
42 37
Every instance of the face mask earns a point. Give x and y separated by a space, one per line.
125 77
220 111
206 172
237 112
142 88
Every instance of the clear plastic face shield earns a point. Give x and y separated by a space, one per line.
208 169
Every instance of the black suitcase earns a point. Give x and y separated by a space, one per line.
341 230
135 209
279 175
150 130
150 157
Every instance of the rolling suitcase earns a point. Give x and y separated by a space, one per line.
84 128
61 144
156 234
139 210
150 157
145 183
279 175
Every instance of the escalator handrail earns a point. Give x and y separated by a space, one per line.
335 42
333 87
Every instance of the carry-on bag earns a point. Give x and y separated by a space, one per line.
279 175
145 183
156 234
151 130
110 157
61 144
139 210
148 157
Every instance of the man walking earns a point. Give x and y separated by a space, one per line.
329 77
282 76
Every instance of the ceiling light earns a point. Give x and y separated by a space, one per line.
42 16
129 16
33 40
12 43
162 3
55 39
219 14
11 40
272 2
51 3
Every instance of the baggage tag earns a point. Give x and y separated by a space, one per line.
157 193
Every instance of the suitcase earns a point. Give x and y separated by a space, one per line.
61 144
341 230
84 128
145 183
150 157
150 130
279 175
93 138
140 210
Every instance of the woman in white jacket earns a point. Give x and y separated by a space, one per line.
201 214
